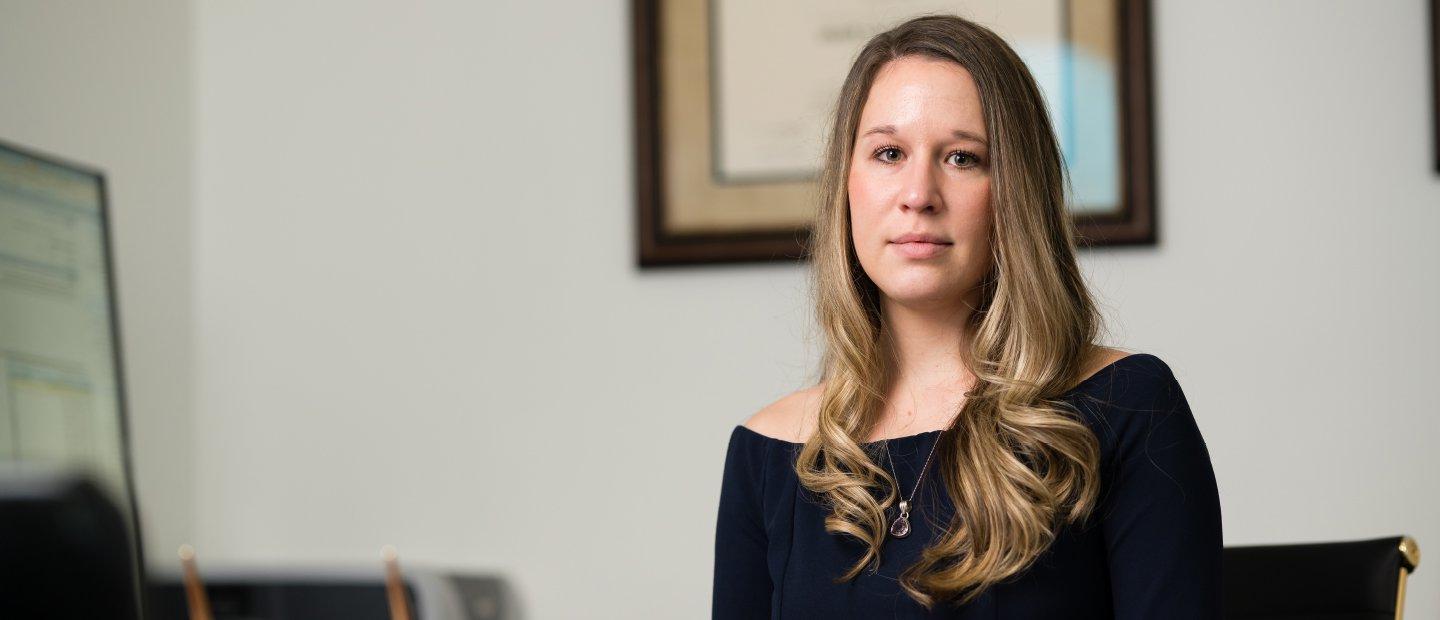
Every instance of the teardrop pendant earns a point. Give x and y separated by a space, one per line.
900 527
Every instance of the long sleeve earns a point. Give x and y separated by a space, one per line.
742 581
1161 509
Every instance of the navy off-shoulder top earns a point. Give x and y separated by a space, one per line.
1151 550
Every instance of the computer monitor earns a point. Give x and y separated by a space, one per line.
62 400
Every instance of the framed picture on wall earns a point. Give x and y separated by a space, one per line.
1435 73
732 99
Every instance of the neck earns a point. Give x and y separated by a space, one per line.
929 343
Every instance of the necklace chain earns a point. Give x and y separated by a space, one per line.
900 527
923 468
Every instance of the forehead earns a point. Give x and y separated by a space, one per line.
923 94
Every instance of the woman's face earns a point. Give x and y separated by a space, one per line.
921 166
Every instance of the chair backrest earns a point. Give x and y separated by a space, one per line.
65 548
1352 580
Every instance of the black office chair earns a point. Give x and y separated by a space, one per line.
1354 580
65 548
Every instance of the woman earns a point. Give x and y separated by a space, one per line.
970 451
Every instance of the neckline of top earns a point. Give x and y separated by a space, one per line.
1108 368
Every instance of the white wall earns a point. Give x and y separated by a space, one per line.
417 320
420 319
111 86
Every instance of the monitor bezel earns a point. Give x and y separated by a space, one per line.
111 289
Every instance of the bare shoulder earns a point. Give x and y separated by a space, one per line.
1099 359
791 418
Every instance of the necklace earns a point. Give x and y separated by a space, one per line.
900 527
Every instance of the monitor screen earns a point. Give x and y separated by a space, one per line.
61 398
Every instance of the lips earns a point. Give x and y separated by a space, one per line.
920 245
922 238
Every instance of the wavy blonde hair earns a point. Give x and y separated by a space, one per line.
1017 461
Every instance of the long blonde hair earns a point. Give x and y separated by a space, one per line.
1017 461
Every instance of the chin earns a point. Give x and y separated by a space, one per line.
919 291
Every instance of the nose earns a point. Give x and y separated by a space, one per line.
921 191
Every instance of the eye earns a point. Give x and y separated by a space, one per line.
973 159
884 149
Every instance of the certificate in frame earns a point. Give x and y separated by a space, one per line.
730 105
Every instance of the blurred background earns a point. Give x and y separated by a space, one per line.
377 283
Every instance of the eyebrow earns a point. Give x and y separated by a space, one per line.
958 133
